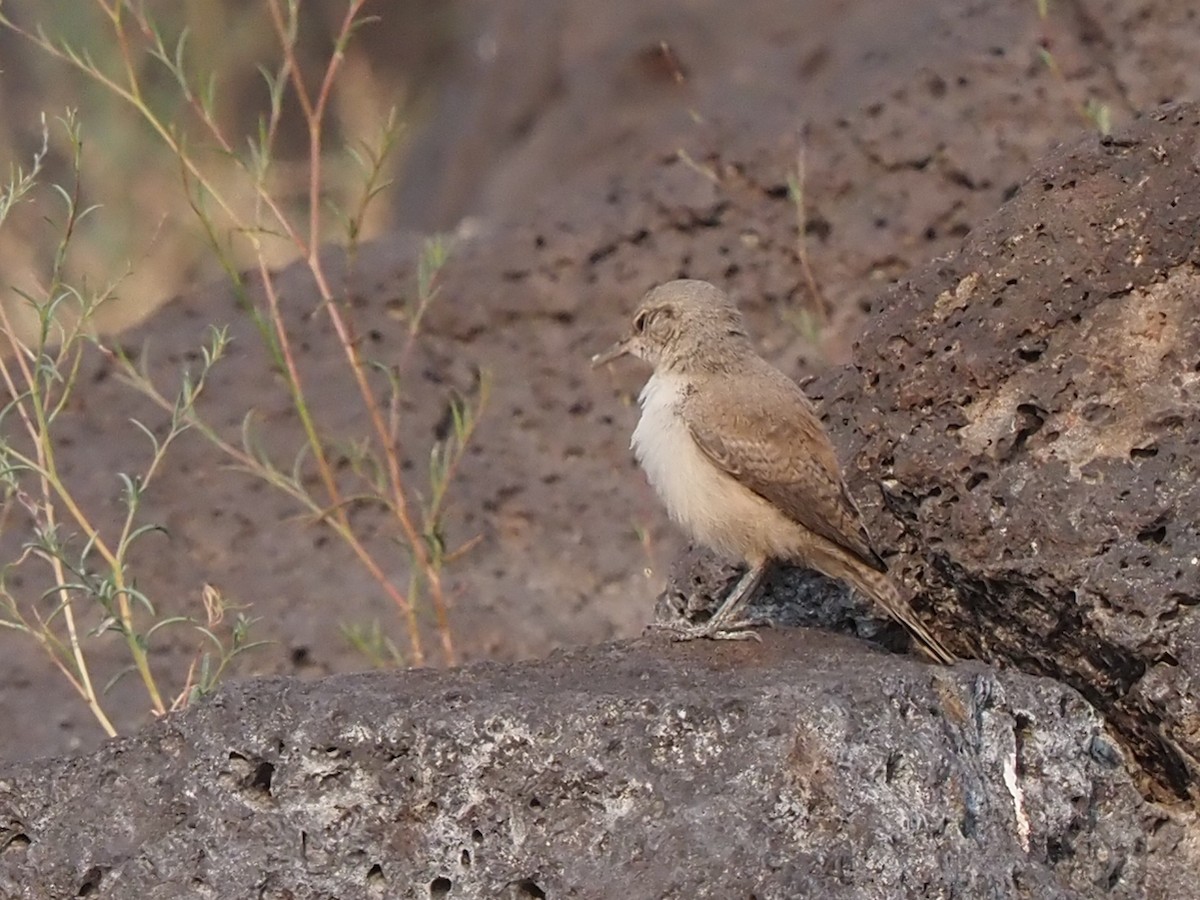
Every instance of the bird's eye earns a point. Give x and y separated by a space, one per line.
639 322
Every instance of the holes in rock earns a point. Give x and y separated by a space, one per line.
976 479
18 841
529 888
466 859
264 772
818 228
1153 535
890 766
1104 753
1182 600
1022 731
1057 851
439 888
601 253
1029 354
1114 877
477 836
375 875
1030 420
1143 452
250 773
91 882
535 803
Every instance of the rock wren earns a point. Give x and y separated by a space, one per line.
736 452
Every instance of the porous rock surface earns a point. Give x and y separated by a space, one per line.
1031 408
806 766
1025 413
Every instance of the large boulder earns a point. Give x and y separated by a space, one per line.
805 766
1030 406
1021 423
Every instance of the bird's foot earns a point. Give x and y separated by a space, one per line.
734 631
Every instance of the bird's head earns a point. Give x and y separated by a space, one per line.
683 326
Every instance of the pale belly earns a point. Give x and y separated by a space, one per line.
717 510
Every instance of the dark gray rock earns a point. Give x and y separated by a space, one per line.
1030 406
807 766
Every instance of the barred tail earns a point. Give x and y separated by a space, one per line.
880 588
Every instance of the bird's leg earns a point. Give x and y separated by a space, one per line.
729 611
724 624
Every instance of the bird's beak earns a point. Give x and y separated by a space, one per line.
616 351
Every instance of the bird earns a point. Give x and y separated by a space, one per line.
737 453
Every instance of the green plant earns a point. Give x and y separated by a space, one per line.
810 322
84 561
197 138
152 222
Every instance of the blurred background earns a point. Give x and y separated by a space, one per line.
398 62
496 102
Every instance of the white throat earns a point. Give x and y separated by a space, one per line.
663 445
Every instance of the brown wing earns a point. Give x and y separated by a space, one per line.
770 439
